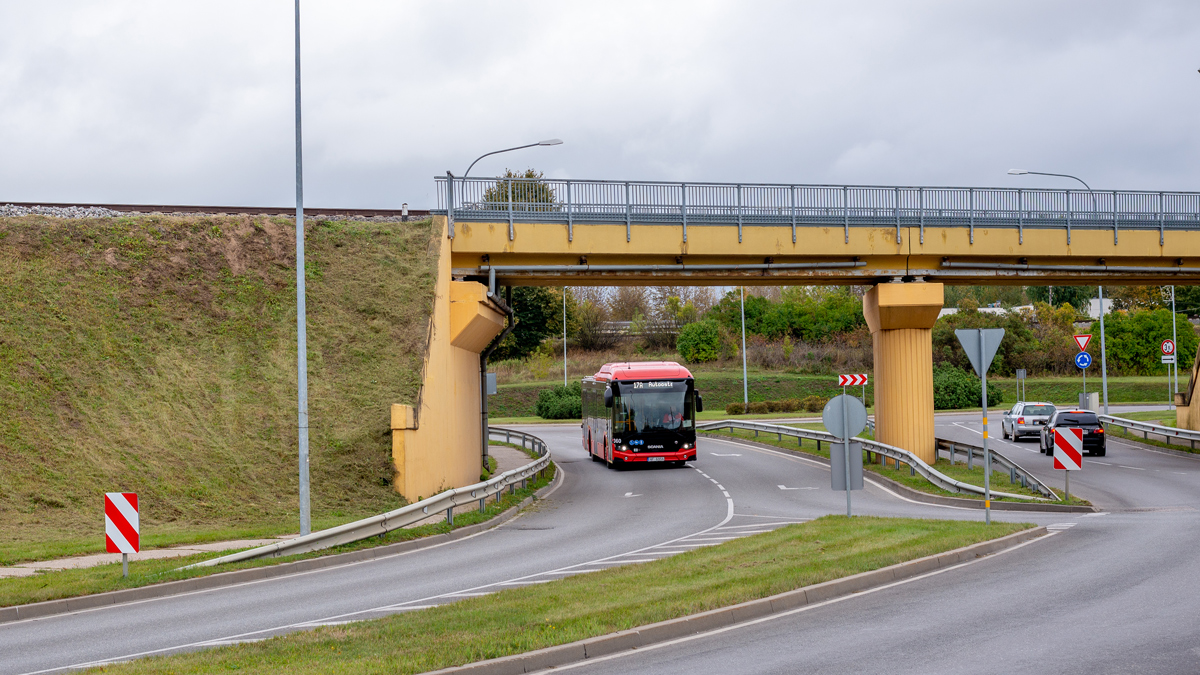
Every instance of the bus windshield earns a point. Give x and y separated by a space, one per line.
667 407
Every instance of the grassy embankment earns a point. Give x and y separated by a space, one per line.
156 355
515 402
103 578
588 605
958 471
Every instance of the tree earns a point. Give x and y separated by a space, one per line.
526 189
700 341
539 315
1139 297
1076 296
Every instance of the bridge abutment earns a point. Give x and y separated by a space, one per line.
436 444
901 318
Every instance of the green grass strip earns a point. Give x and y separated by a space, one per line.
102 578
589 605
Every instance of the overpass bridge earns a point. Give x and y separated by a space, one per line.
905 242
568 232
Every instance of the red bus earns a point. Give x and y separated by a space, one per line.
642 411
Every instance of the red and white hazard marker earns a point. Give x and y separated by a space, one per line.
1068 449
852 380
121 522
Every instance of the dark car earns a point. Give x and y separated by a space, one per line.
1093 431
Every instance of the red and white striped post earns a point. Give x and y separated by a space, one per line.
121 526
1068 454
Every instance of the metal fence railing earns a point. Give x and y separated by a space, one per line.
413 513
1016 473
573 202
915 464
1147 429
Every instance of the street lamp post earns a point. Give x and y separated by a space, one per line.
301 328
1100 289
550 141
745 385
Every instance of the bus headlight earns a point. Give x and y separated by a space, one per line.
624 448
687 446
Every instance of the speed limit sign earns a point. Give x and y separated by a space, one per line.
1168 347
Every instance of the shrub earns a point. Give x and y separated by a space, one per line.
699 342
560 403
758 408
954 388
735 409
814 403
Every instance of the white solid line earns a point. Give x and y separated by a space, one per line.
791 612
1092 461
1135 468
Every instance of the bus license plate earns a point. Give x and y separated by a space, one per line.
656 459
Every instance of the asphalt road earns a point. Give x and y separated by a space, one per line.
1112 592
1125 570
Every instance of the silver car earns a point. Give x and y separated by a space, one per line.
1026 419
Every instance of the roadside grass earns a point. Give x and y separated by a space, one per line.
958 471
156 354
102 578
593 604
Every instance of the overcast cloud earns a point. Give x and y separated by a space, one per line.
192 102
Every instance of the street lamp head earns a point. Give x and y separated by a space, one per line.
552 141
1017 172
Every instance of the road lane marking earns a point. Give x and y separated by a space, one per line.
630 494
1135 468
783 487
1092 461
718 454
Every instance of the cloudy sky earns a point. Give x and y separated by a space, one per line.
192 102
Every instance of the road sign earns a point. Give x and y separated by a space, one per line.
855 418
980 344
1068 449
1169 359
1083 360
1168 348
837 462
121 522
1082 341
852 380
1020 373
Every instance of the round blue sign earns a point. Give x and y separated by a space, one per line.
1083 360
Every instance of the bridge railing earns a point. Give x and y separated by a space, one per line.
383 523
916 465
646 202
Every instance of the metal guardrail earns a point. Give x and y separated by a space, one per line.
1015 471
650 202
386 522
915 464
1146 428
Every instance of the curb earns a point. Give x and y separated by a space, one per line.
917 495
68 605
672 629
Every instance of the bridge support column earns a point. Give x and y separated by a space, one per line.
901 318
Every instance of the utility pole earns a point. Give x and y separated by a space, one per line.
745 385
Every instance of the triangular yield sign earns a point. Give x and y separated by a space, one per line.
1082 341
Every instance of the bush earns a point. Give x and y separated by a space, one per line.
758 408
560 403
735 409
790 405
813 403
699 342
954 388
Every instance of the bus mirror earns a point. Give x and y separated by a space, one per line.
608 397
699 403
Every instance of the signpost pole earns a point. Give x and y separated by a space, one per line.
1103 353
846 441
125 565
1067 490
1175 341
987 454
